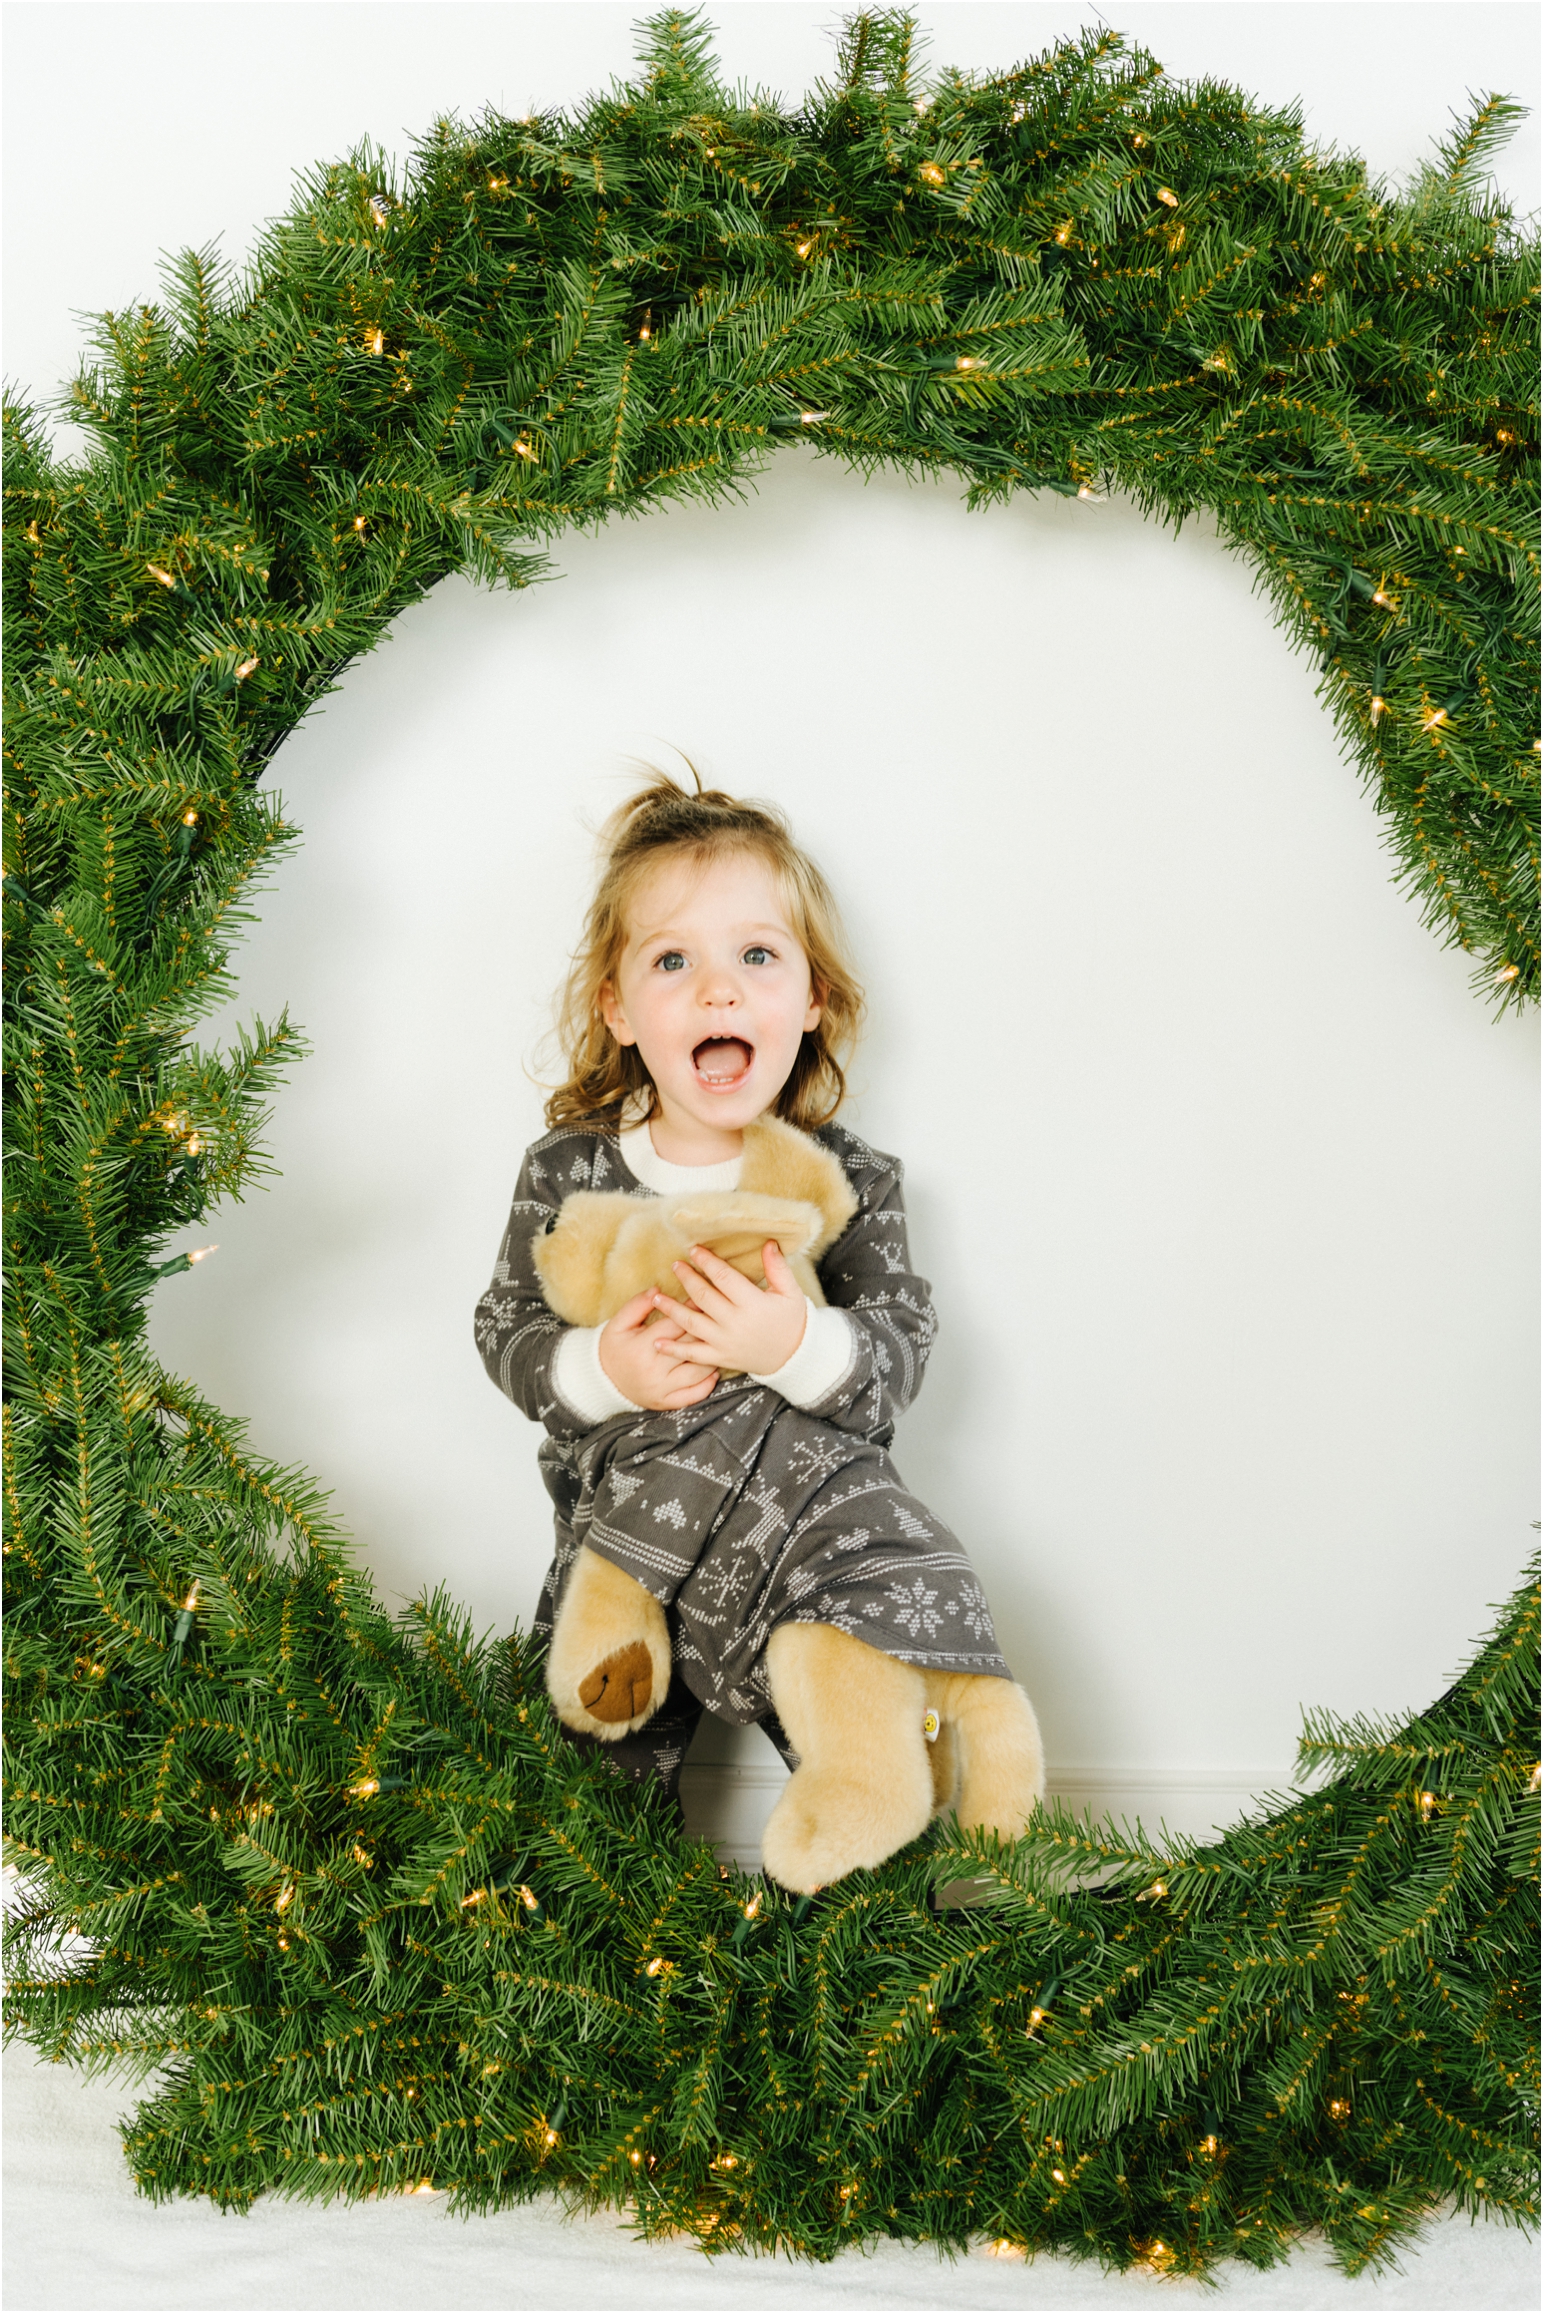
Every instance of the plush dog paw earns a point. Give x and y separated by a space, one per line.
1001 1760
824 1825
609 1666
621 1686
863 1785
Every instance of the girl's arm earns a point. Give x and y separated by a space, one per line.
886 1309
517 1333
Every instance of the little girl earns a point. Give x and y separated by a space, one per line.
731 1531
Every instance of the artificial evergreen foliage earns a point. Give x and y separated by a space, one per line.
336 1880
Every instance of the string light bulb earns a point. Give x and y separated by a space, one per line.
1379 707
522 448
285 1896
931 174
1208 2144
365 1788
1382 600
380 208
202 1254
247 667
1434 720
374 341
1339 2108
754 1905
1426 1803
1168 196
190 818
182 1628
164 576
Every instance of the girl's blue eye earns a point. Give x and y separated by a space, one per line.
758 955
671 961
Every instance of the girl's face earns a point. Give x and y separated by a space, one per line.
713 988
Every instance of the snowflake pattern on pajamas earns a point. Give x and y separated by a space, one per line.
745 1511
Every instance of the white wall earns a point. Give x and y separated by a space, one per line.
1234 1399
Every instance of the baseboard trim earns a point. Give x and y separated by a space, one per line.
770 1777
728 1803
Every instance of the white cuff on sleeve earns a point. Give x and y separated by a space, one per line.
822 1358
582 1382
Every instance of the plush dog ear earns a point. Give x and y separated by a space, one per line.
571 1254
781 1161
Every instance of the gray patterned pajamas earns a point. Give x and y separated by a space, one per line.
744 1512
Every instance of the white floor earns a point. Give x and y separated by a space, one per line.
78 2239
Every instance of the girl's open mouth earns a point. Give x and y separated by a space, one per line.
723 1062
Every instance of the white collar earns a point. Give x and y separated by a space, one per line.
643 1161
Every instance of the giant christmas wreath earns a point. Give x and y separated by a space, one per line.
332 1876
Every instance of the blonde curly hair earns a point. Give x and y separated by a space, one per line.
664 819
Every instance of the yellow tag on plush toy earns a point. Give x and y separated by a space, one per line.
930 1725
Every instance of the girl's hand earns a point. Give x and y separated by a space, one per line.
732 1322
653 1364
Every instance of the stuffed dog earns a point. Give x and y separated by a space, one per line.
604 1247
882 1745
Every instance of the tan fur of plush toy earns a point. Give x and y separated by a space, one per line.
867 1780
606 1247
